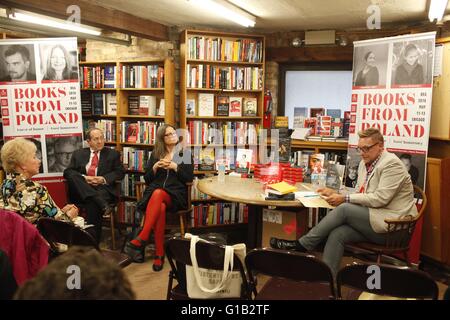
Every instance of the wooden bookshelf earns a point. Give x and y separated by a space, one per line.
165 91
225 88
318 146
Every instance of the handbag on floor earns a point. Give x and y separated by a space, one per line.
204 283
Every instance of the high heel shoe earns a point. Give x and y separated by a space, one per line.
158 267
136 253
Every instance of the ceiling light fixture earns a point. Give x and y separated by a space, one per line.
437 9
228 11
52 22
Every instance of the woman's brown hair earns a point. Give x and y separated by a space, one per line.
160 146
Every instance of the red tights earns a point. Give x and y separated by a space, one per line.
155 217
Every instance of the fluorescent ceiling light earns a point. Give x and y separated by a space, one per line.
437 9
52 22
228 11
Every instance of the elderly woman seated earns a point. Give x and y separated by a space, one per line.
22 195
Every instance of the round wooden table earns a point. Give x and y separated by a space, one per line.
236 189
248 191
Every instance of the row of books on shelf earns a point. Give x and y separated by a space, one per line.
98 103
195 193
98 77
207 159
228 106
145 105
107 126
127 213
219 49
219 213
135 159
223 132
128 184
229 78
142 76
139 131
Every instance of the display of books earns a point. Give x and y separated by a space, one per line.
243 160
335 175
250 107
133 105
111 104
162 108
334 113
284 149
147 105
190 107
281 188
300 114
206 159
316 112
235 107
223 106
206 104
316 163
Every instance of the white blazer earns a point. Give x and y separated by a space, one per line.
389 192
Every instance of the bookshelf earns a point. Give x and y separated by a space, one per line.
223 69
128 81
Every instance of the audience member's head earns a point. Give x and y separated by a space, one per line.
16 154
81 273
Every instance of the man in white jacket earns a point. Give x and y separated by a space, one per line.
384 191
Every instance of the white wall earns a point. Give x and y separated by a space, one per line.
328 89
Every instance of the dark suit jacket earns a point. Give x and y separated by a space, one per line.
110 167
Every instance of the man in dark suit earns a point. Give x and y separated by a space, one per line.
17 59
91 176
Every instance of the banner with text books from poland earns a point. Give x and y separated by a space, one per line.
392 91
40 101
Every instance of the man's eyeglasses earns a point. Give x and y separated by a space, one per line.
365 149
170 134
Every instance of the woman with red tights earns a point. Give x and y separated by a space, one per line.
169 169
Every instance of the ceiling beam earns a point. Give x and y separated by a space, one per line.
96 16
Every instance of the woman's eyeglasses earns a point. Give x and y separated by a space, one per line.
365 149
170 134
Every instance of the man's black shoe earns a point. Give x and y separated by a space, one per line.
286 245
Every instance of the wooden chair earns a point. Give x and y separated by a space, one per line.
209 256
184 215
295 276
395 281
55 232
399 233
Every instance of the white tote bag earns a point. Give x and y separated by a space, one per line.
204 283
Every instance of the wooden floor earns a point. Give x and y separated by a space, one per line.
150 285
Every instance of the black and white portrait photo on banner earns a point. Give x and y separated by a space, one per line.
60 150
18 65
370 65
412 63
59 62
